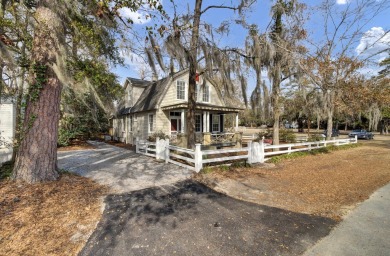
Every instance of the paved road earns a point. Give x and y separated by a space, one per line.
122 170
191 219
365 231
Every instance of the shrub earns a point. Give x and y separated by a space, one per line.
315 137
159 134
65 136
6 170
267 134
287 135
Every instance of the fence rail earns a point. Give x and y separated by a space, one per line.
256 152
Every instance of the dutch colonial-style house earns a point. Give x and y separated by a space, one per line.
160 106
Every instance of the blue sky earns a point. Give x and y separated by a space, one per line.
260 15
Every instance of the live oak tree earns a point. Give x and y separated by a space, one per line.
190 44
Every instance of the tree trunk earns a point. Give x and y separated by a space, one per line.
20 91
329 111
275 103
329 126
259 110
192 55
36 159
266 101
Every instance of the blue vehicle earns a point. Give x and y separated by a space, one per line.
361 134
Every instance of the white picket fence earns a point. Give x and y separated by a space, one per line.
256 152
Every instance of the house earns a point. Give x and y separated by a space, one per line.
7 128
160 106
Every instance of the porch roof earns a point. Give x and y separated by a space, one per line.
204 106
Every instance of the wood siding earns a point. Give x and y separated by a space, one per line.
170 97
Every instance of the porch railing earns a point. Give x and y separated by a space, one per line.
222 137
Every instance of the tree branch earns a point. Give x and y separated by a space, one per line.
218 7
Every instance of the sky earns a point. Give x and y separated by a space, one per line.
371 41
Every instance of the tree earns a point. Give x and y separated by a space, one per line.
37 155
186 45
333 62
61 26
284 42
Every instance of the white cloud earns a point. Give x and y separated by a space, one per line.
138 17
141 16
372 42
342 1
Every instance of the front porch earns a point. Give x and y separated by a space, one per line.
210 127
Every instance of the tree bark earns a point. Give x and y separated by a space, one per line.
276 103
192 54
36 159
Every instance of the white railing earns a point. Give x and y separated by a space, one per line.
222 137
219 155
256 152
180 156
145 147
269 150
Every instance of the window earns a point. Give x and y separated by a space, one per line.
131 123
206 93
198 124
215 126
196 92
180 90
151 127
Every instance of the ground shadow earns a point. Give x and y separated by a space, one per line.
188 218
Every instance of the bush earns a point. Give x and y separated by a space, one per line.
266 134
315 137
287 135
65 136
159 134
6 170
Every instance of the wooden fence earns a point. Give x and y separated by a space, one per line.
255 152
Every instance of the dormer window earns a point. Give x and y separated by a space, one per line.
196 92
206 93
180 90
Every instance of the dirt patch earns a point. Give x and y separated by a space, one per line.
327 185
76 145
53 218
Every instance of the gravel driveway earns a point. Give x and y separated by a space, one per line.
122 170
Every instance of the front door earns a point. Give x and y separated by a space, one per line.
175 125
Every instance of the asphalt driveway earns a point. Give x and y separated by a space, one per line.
188 218
120 169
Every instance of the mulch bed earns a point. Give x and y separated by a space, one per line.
51 218
76 145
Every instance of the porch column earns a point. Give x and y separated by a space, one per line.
182 117
207 121
236 122
204 121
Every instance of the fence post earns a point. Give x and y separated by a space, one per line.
136 145
249 152
159 148
198 158
356 139
289 150
309 146
262 152
166 150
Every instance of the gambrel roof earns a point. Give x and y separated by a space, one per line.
154 93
